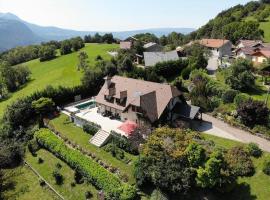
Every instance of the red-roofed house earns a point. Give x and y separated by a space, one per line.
125 45
248 43
261 56
219 47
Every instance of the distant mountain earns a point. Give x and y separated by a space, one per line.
157 31
17 32
14 33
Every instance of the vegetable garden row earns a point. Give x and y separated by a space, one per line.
92 171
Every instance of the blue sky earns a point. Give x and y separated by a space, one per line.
117 15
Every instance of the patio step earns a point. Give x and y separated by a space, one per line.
100 138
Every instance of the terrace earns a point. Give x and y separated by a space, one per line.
88 112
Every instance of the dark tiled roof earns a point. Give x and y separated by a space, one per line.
185 110
152 97
152 58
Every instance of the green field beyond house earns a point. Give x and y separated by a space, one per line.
265 26
60 71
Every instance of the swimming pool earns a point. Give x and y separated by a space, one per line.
86 105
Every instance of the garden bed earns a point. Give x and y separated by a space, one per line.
46 169
92 171
78 136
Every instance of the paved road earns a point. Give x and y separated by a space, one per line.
218 128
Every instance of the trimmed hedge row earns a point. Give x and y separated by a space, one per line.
91 170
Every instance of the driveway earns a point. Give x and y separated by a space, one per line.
218 128
212 65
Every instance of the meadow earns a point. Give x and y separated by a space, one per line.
61 71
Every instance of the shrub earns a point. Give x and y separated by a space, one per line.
59 179
42 183
88 195
241 98
123 143
261 129
72 184
215 102
253 113
91 170
229 96
115 151
58 166
33 147
254 150
158 195
239 161
185 73
90 129
40 160
78 177
98 58
266 167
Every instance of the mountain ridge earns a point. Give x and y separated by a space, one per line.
39 33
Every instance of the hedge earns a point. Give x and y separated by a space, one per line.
91 170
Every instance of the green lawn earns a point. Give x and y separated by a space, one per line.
59 71
76 134
255 187
258 93
49 165
23 184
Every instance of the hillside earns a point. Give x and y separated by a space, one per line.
265 26
60 71
15 33
249 21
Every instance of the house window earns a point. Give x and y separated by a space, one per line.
133 108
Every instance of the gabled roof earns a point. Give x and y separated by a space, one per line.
249 43
152 58
265 53
246 50
213 43
150 44
125 45
151 97
186 111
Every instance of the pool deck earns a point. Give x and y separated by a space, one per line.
92 115
106 123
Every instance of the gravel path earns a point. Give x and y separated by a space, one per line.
216 127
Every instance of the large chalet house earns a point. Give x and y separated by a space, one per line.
143 102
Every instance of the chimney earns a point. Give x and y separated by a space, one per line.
108 81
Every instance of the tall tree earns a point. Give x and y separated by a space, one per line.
83 62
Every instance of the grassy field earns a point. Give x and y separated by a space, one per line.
265 26
49 165
59 71
254 187
23 184
76 134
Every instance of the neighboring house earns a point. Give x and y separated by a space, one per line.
126 45
245 52
261 56
248 43
152 47
219 47
152 58
142 102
